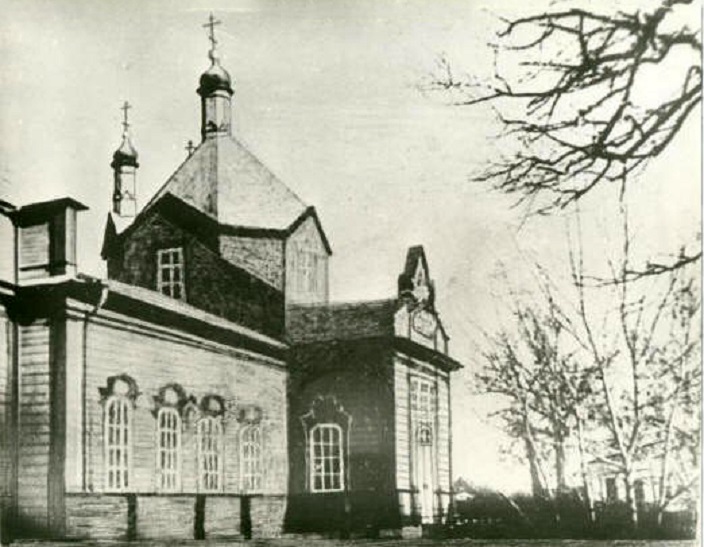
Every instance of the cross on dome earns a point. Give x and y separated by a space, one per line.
125 122
211 24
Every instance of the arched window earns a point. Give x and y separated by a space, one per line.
251 455
118 439
326 458
210 453
169 448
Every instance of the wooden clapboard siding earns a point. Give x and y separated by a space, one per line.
5 399
443 436
34 422
34 250
403 457
154 360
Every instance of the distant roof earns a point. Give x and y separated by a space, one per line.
227 182
320 322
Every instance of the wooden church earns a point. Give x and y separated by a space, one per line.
209 388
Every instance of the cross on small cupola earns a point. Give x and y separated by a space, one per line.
124 164
210 25
125 118
215 90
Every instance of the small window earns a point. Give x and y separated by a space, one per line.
117 442
170 273
169 448
251 445
425 436
210 441
326 458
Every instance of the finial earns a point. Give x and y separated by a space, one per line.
125 123
211 24
190 148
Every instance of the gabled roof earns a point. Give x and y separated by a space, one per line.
227 182
318 322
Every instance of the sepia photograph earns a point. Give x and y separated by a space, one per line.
351 272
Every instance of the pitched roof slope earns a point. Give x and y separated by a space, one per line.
320 322
226 181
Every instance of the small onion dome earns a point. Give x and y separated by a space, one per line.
215 78
125 155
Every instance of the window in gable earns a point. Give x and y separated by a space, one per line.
170 273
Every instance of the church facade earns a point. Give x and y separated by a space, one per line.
209 388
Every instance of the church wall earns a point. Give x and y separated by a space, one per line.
210 283
153 358
306 277
260 256
357 376
405 425
5 399
34 422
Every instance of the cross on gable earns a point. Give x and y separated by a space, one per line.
211 24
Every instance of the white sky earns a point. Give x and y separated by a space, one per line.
326 96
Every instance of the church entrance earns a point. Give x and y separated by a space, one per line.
424 474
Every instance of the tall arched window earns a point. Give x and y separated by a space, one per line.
210 453
118 439
326 458
169 448
251 456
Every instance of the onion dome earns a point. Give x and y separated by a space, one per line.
215 78
125 154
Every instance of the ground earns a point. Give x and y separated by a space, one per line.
306 542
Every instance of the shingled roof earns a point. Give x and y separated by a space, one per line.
320 322
227 182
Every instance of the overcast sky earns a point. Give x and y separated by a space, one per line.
326 95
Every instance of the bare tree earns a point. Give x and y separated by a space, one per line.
543 388
646 369
577 102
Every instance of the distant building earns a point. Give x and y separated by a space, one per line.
208 388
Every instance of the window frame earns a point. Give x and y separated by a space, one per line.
206 456
174 432
123 431
251 452
314 458
423 405
177 263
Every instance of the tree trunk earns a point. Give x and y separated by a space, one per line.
559 446
585 473
535 476
631 499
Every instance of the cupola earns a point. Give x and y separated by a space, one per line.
124 165
215 92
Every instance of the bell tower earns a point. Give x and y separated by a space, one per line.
215 92
124 165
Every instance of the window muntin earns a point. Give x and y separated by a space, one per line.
210 453
251 456
422 396
169 448
170 273
118 440
326 458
